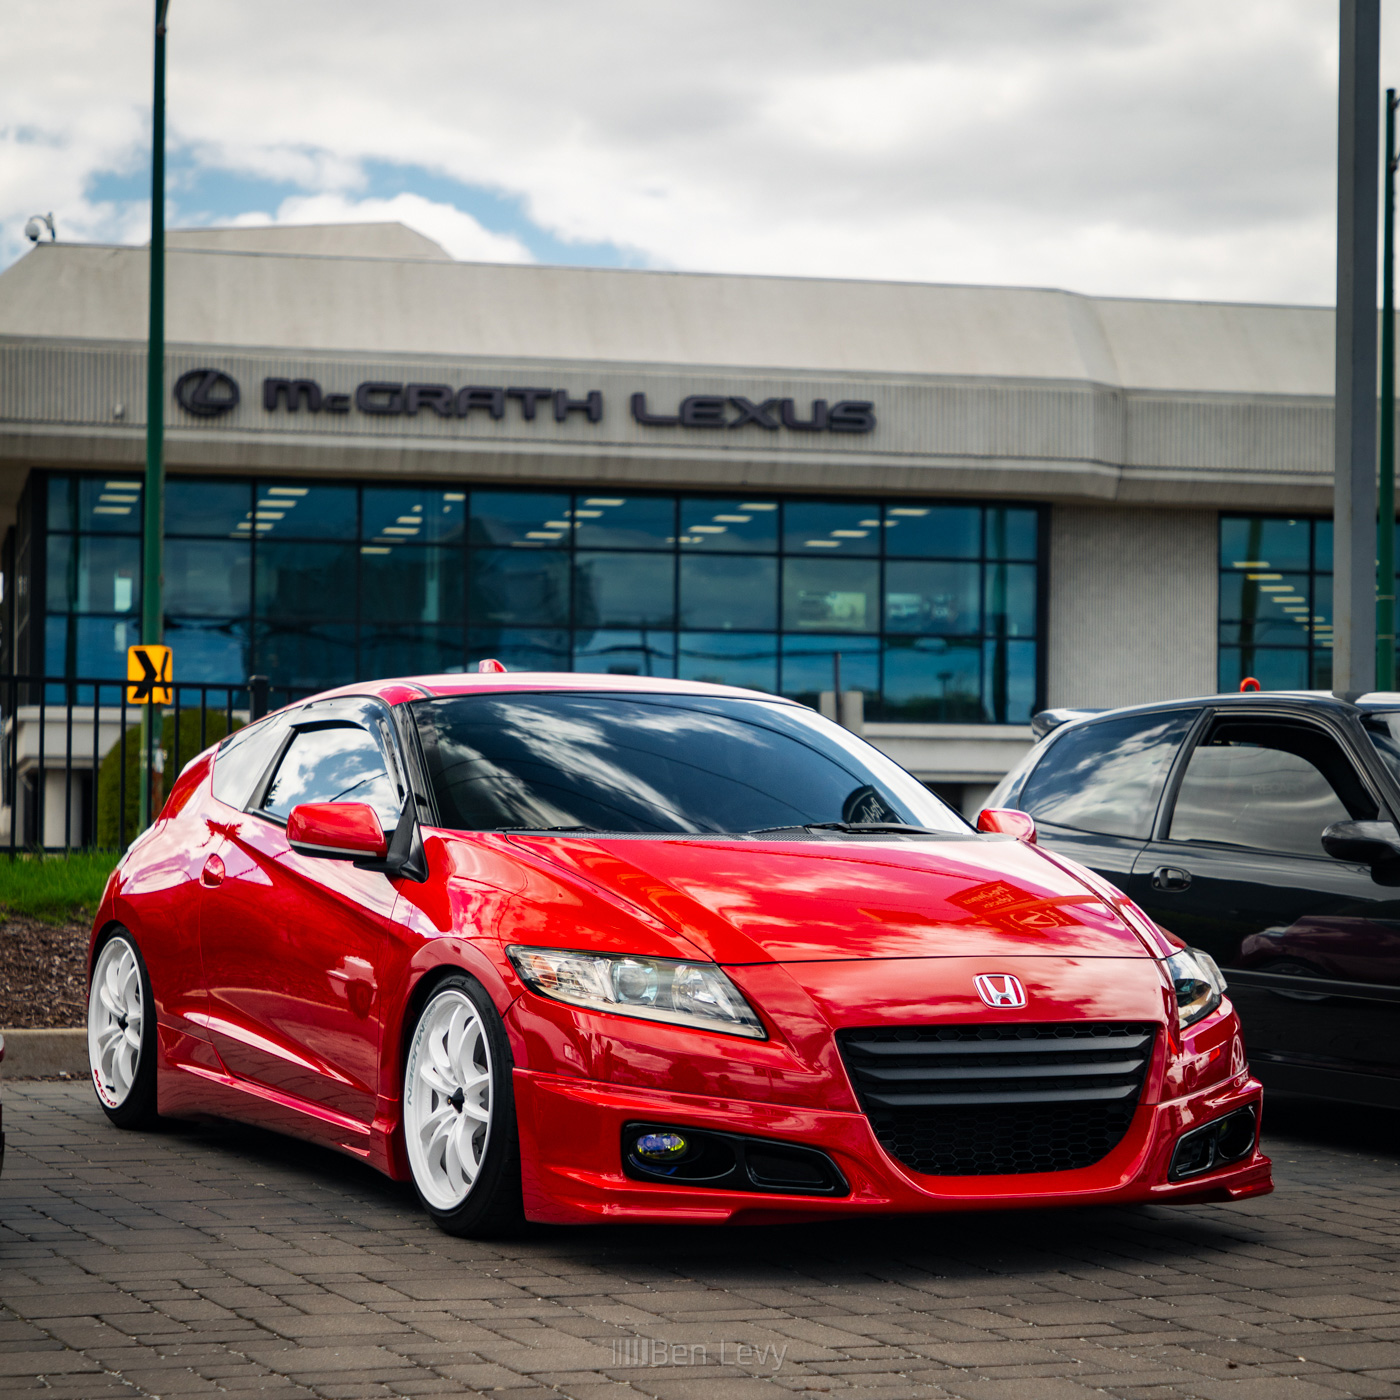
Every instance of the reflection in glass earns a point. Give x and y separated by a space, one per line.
306 657
341 764
519 648
305 580
939 532
1011 534
1268 544
624 590
1265 608
90 647
1275 668
1011 600
720 526
736 591
94 573
811 527
525 587
521 519
624 522
411 583
205 507
929 597
302 512
1008 681
209 651
831 595
410 651
100 506
930 678
207 578
417 515
729 658
810 666
626 653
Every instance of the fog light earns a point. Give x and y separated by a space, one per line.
660 1147
1226 1140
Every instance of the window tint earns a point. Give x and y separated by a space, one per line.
341 763
243 758
641 763
1106 777
1270 787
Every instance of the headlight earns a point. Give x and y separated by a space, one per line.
651 989
1198 982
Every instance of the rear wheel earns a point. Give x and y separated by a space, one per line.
121 1027
459 1113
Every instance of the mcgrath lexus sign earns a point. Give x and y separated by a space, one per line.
207 393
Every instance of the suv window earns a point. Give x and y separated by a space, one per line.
337 763
243 758
1106 777
1270 786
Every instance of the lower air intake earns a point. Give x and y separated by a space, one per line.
995 1100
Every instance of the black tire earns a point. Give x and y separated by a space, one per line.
492 1205
131 1104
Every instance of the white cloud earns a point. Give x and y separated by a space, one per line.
1183 148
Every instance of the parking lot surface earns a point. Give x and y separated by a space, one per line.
212 1259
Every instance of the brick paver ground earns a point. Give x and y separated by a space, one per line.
215 1259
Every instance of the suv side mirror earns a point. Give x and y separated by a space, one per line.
337 831
1367 843
1009 822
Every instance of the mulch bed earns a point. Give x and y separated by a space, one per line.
43 974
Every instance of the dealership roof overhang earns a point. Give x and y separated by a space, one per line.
981 391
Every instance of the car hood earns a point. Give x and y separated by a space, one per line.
833 899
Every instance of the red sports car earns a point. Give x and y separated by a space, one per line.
595 948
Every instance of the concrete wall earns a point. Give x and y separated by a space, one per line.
1132 605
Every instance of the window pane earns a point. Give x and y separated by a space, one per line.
1322 546
1266 544
519 648
809 666
1011 534
626 653
393 514
109 506
1008 680
1268 787
411 583
940 598
724 526
410 651
734 592
521 518
624 590
94 574
525 587
342 764
207 507
927 678
62 493
307 657
728 658
1011 600
940 532
243 758
624 522
811 528
1106 777
90 647
831 595
208 578
208 651
305 580
1264 608
303 513
1275 668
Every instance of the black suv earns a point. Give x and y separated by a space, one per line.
1261 828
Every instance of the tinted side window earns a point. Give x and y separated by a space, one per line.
341 763
1106 777
243 758
1270 787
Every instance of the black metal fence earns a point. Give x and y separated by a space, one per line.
75 753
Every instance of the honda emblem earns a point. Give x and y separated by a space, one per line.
1000 989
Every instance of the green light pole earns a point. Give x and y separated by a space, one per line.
153 505
1385 496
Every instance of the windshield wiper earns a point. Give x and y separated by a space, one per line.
546 828
858 828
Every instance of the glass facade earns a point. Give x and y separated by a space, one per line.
933 609
1276 602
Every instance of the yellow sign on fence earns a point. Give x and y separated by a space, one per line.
148 670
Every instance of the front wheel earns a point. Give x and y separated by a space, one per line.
459 1113
121 1027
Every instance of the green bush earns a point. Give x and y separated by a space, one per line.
56 889
128 749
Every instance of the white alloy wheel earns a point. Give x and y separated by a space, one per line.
116 1019
447 1099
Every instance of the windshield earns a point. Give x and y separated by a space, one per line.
658 763
1384 729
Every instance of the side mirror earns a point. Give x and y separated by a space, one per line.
337 831
1009 822
1366 843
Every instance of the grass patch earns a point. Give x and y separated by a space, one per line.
56 889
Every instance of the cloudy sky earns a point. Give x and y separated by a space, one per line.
1174 148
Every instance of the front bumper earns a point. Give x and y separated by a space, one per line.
571 1131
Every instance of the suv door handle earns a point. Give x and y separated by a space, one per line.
1171 877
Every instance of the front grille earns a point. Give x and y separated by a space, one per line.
989 1100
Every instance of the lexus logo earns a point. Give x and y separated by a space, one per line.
206 392
1000 989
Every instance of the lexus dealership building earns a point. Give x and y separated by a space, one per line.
966 503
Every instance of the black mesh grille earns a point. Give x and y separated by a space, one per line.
989 1100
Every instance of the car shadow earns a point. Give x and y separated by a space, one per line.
1326 1123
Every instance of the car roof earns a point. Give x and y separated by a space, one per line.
404 689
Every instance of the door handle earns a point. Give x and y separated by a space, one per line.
212 876
1171 878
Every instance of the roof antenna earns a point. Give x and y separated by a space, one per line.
490 667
